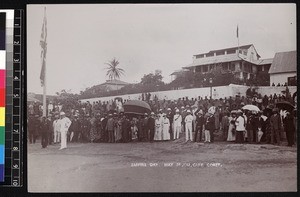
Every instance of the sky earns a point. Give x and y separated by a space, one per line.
146 37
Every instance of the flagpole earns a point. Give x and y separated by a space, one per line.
45 76
238 38
44 95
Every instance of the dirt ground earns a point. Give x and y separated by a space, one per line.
170 167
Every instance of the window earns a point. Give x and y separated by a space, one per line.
205 68
200 56
232 51
209 54
225 66
220 53
232 67
244 52
198 69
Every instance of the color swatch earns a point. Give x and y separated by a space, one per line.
2 91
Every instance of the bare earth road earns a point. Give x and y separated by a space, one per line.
175 167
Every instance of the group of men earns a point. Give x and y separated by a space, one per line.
206 118
50 131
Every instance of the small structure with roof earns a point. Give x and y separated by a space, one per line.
284 69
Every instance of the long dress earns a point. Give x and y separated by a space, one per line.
118 130
166 129
134 129
158 129
231 135
93 131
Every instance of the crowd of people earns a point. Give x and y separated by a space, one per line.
199 119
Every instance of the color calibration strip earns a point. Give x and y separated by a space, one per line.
8 90
16 141
2 92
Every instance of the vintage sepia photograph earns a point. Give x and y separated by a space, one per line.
162 98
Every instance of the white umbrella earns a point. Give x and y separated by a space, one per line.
251 108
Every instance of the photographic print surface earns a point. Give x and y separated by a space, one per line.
162 98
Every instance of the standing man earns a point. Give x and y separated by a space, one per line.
177 120
85 129
188 126
240 127
56 127
31 128
104 136
44 131
110 128
170 117
145 129
151 126
51 131
225 125
210 125
275 122
64 123
75 129
199 126
125 129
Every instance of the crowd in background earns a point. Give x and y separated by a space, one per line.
199 119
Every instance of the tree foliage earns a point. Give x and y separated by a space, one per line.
113 71
152 79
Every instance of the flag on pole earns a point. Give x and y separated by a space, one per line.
237 31
43 43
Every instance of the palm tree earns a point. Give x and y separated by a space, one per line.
113 71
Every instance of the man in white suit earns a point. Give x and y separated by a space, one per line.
177 124
64 124
188 126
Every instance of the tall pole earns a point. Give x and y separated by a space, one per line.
43 44
238 38
44 94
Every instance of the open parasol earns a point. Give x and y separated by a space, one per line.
251 108
136 107
285 105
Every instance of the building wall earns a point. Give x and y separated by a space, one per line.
249 54
217 92
281 77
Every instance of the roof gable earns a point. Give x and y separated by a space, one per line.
284 62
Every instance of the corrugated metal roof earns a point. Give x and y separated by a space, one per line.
263 61
115 82
214 60
231 48
176 72
284 62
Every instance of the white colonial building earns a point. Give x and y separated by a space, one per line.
243 61
284 69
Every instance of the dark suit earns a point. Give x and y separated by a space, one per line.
275 123
199 127
151 126
289 128
44 130
210 125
